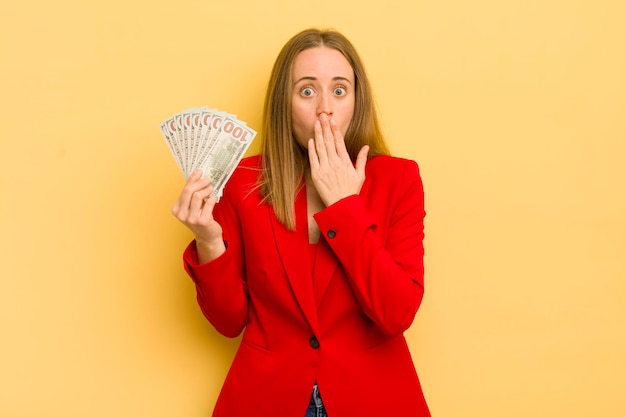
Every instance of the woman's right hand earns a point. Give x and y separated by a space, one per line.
194 208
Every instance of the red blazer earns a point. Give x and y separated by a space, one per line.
339 320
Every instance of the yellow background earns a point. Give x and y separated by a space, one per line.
515 111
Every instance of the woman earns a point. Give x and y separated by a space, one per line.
315 249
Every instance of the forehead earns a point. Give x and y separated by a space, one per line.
321 62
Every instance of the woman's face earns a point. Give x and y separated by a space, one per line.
323 82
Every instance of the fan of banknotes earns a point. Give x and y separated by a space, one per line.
207 139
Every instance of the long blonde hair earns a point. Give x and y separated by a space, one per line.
284 161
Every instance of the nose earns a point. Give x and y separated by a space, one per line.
324 105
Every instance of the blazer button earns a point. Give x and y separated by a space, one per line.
315 344
331 233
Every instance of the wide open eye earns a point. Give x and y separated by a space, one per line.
306 91
340 91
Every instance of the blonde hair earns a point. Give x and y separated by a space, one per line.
284 161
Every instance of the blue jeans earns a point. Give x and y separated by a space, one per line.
316 407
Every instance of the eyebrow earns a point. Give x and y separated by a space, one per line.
310 78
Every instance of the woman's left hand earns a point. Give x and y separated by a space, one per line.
332 171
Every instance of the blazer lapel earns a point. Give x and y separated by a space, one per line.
293 249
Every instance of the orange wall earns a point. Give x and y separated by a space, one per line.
514 109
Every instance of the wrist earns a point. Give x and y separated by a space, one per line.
209 250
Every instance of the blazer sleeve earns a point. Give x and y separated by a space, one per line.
385 270
221 288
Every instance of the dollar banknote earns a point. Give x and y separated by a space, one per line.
207 139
